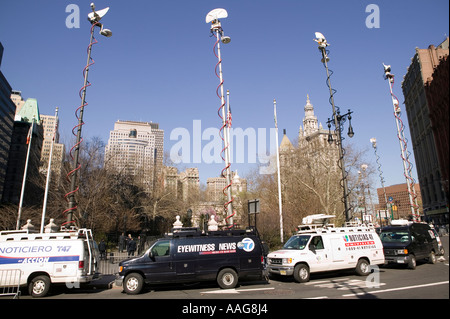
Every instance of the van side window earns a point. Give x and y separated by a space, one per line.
161 248
317 241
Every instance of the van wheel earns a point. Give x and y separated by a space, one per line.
432 258
227 278
301 273
363 267
39 286
412 262
133 284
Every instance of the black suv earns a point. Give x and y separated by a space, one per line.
407 243
188 255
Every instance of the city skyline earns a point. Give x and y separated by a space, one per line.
160 66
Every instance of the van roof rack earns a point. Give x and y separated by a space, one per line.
197 232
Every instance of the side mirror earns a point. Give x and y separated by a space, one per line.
150 254
312 247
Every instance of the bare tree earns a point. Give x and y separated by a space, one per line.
311 184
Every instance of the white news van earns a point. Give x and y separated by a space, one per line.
48 258
317 248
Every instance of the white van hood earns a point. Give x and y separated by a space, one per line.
283 253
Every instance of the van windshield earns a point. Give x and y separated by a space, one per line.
297 242
394 237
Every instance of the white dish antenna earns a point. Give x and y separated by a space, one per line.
97 15
216 14
319 36
317 219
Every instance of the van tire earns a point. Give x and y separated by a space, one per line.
412 262
227 278
432 258
301 273
39 286
133 283
363 267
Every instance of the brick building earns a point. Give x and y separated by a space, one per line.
425 116
401 205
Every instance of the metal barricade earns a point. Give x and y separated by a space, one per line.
110 264
10 282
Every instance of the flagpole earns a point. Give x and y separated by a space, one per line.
279 173
29 138
44 208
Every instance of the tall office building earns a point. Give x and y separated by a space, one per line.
48 123
20 142
313 138
215 187
184 185
136 148
420 115
7 111
313 145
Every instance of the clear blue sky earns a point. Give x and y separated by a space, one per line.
159 65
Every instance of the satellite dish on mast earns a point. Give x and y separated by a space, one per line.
95 16
216 14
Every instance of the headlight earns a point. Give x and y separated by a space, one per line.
402 252
287 260
120 268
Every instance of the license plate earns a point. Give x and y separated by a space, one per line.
400 261
282 272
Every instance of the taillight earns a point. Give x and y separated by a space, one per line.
262 259
81 264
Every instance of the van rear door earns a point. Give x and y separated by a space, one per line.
251 255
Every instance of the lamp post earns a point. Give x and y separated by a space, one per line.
94 17
373 140
337 121
363 204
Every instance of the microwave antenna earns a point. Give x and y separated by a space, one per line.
214 17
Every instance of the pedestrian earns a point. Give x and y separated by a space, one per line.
142 240
121 242
102 249
131 247
139 245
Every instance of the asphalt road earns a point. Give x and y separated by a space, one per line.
427 281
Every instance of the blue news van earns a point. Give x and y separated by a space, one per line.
188 255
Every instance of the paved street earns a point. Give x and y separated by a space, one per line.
427 281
